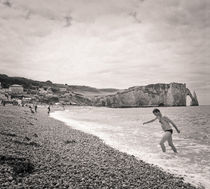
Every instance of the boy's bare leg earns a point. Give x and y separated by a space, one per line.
164 138
170 143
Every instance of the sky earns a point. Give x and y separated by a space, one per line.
108 43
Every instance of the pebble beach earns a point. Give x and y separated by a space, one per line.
37 151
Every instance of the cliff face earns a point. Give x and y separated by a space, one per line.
173 94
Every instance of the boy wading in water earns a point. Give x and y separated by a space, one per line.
165 124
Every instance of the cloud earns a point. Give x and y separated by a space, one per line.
107 43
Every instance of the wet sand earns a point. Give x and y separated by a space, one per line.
37 151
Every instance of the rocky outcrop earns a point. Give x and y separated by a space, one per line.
194 101
173 94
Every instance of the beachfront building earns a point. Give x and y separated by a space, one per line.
16 89
49 91
42 91
2 97
63 89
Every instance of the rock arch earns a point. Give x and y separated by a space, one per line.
172 94
194 100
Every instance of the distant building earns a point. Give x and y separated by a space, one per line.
26 100
16 89
2 97
62 89
42 91
49 90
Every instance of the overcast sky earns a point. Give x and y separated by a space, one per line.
108 43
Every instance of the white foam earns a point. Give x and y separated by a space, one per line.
180 164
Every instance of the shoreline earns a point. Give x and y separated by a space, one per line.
197 181
58 156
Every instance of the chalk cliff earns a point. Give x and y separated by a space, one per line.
173 94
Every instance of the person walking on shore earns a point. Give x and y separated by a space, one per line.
31 109
35 108
166 126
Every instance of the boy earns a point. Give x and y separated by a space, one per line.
165 124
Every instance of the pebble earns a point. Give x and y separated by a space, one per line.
88 163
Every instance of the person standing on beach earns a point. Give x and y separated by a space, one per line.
35 108
166 126
48 110
3 102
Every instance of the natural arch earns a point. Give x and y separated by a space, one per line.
194 101
188 100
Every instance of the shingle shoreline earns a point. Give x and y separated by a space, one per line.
39 152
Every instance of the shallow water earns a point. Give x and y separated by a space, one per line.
123 130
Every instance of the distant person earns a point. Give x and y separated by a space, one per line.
31 109
165 124
48 110
3 102
35 108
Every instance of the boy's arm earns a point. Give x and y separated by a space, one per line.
172 123
149 121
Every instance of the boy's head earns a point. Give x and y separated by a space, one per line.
156 111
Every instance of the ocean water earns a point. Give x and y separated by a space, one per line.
123 130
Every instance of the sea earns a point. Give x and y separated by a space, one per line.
122 129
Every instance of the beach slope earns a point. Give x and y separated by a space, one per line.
39 152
